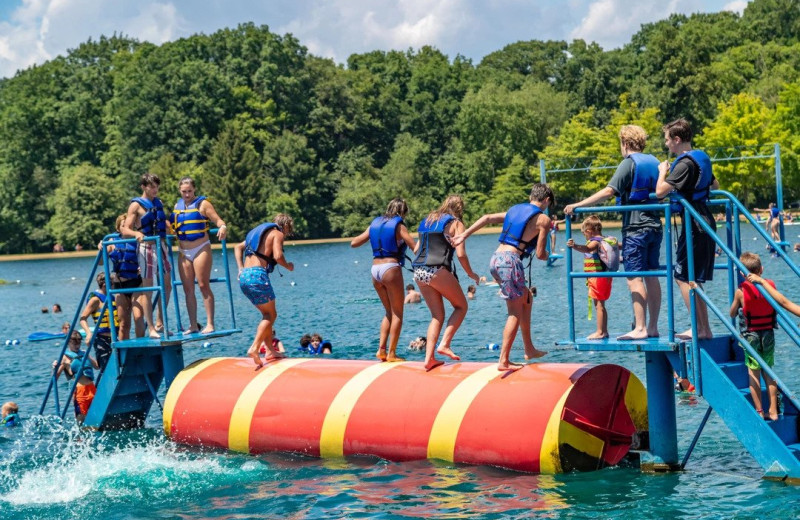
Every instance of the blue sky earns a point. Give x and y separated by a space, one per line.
33 31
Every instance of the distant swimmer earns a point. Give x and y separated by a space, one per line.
389 237
471 292
256 257
56 308
525 230
190 221
412 296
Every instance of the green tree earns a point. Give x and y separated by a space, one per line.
742 123
85 206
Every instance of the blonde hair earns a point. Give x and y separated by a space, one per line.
592 223
633 137
751 261
452 205
397 208
285 222
120 221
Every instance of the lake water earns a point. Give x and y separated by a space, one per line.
50 469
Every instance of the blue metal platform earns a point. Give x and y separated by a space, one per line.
174 338
616 345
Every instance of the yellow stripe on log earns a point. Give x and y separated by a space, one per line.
331 437
183 378
549 458
242 416
442 441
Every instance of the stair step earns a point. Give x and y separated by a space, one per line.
130 403
736 371
786 428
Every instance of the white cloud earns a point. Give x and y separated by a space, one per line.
737 6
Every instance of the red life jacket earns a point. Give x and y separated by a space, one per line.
758 313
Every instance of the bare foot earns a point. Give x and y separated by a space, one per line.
760 413
394 358
154 334
445 351
597 335
634 334
253 353
381 354
208 330
273 356
773 416
509 367
652 333
433 364
535 354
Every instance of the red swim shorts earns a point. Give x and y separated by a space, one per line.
599 288
84 394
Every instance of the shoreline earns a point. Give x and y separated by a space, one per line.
614 224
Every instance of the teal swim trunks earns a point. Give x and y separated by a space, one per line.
255 284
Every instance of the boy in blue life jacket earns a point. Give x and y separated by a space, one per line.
10 414
760 323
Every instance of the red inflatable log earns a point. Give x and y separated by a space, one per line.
544 418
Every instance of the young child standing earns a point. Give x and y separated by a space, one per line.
759 324
599 288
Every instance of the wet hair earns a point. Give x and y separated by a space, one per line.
471 288
397 208
541 191
75 337
305 340
633 137
285 222
679 128
751 261
316 337
65 325
593 224
149 179
187 180
101 280
10 407
452 205
410 287
120 221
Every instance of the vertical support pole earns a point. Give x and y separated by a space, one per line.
570 295
779 192
172 359
542 172
663 453
670 273
228 280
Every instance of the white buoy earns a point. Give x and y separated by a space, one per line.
292 284
305 265
8 342
492 346
15 342
207 344
73 278
355 261
41 292
17 281
755 238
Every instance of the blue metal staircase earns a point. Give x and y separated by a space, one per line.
129 384
716 366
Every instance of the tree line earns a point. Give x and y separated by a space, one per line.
265 127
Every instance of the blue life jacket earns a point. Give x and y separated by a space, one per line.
435 249
702 188
187 221
124 259
383 239
154 221
253 241
517 218
102 326
10 420
77 358
311 350
645 176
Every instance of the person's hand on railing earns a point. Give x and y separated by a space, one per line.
754 278
222 232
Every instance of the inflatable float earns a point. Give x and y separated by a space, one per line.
544 418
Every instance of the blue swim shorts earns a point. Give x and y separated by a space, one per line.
641 250
255 284
506 269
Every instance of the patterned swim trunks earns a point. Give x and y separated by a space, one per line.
506 269
255 284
